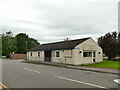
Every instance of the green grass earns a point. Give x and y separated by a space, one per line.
106 64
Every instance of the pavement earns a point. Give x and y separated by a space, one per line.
16 74
95 69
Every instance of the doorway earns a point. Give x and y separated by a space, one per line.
47 55
94 56
93 60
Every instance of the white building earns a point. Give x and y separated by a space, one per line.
79 51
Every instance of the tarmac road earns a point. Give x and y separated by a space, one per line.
16 74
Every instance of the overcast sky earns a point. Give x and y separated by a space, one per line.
54 20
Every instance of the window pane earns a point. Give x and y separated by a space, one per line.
87 54
57 54
93 54
38 53
90 54
68 53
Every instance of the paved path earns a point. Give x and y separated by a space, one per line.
102 70
26 75
114 71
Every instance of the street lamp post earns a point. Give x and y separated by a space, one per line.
26 46
10 51
10 42
10 47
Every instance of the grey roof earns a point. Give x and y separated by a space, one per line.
69 44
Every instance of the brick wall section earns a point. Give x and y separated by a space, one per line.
19 56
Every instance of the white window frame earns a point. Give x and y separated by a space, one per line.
89 54
58 54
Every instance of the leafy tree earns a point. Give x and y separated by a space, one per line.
24 43
32 43
21 39
8 43
17 44
109 44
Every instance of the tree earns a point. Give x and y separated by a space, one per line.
21 39
17 44
24 43
32 43
109 44
8 44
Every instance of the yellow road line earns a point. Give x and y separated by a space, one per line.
0 87
4 86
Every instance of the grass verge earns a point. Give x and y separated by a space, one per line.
106 64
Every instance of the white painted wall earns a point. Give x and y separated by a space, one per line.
88 45
76 57
35 56
62 58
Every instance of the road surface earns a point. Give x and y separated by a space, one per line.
16 74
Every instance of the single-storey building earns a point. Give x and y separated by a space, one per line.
75 52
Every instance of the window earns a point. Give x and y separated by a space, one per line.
53 53
93 54
31 53
87 54
39 54
68 53
57 54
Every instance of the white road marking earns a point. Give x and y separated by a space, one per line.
31 70
80 82
117 81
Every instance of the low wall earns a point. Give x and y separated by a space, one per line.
63 60
34 59
55 60
19 56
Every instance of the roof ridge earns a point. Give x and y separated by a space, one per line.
69 44
66 41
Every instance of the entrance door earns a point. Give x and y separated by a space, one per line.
93 56
47 55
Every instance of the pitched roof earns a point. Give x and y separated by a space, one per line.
70 44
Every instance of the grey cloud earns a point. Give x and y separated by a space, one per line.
56 21
60 17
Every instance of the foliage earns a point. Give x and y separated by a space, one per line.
8 41
32 43
19 43
109 44
24 43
